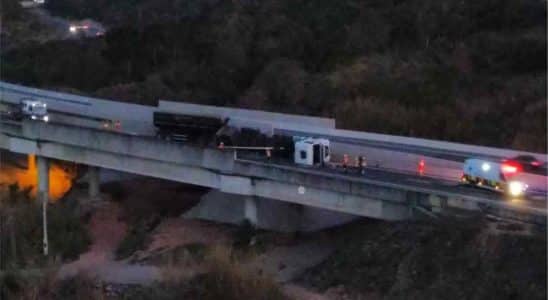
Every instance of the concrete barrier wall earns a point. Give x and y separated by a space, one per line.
395 161
133 116
133 146
139 117
406 144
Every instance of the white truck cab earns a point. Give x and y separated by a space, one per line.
311 151
34 109
493 175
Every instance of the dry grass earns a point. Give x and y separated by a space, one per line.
227 279
216 275
181 266
43 285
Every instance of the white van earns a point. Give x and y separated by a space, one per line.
34 109
498 176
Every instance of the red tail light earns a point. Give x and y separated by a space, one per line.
510 168
421 167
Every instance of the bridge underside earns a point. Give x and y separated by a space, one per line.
301 208
220 171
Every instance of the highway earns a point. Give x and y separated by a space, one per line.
387 161
414 181
376 179
424 151
438 174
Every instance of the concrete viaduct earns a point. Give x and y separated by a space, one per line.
257 183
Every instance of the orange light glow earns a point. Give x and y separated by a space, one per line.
60 180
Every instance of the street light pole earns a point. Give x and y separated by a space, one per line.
43 195
45 225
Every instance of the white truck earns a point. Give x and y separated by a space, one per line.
33 109
498 176
311 151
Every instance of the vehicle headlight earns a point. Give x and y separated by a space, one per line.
46 118
516 188
33 117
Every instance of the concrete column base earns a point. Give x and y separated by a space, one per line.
93 182
250 210
264 213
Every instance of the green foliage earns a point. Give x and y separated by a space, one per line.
432 261
427 68
22 240
157 292
11 10
115 190
515 55
79 67
10 284
78 287
69 237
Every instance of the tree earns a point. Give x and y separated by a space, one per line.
10 10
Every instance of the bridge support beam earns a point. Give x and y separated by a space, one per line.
93 182
264 213
43 195
250 210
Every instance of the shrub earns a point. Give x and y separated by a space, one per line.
226 279
22 217
136 238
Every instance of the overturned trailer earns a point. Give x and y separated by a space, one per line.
178 127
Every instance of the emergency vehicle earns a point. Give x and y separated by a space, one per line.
498 176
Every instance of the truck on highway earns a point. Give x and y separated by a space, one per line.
28 108
497 176
311 151
184 128
34 109
307 151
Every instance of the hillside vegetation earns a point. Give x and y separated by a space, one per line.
467 71
451 260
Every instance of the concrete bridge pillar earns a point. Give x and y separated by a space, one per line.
43 194
250 210
43 179
93 182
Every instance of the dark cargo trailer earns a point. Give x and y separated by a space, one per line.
181 127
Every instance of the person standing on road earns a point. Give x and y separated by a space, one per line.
361 164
